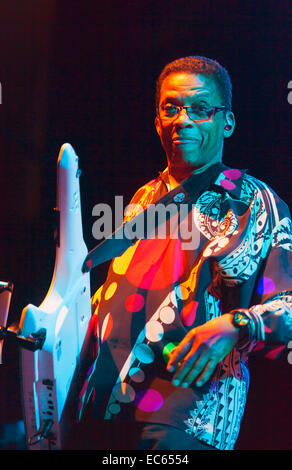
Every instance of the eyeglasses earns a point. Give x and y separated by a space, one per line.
198 113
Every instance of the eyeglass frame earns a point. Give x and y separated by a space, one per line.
215 110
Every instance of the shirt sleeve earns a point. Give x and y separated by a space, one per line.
271 314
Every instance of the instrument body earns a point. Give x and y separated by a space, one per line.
50 374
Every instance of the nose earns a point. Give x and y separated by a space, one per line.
182 119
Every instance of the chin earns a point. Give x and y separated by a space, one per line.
188 161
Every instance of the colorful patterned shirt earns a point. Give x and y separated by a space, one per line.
160 288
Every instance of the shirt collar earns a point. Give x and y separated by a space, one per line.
230 180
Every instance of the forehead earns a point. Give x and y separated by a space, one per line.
185 84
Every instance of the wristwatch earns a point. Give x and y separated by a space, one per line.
241 321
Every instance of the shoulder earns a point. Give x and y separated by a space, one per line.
259 190
145 195
254 194
269 204
146 189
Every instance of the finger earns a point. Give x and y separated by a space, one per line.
194 371
177 355
207 373
185 368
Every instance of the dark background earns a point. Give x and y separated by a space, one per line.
84 73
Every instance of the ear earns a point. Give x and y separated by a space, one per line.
158 126
229 124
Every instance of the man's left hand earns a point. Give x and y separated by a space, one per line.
197 355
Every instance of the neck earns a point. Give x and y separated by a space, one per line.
178 174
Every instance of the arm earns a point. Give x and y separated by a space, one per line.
198 354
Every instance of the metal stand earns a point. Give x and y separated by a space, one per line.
34 342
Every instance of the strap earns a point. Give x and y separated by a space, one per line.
188 191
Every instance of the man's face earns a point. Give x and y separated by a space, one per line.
191 145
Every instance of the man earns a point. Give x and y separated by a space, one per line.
173 323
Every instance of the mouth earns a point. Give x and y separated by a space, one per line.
183 140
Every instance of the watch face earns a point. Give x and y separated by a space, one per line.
240 319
